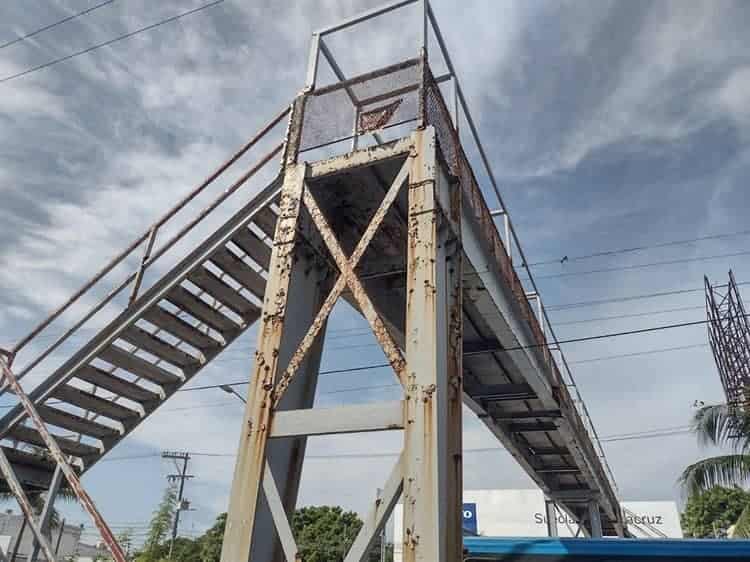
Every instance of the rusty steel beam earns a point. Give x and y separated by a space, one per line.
378 515
385 339
70 475
251 458
432 437
341 282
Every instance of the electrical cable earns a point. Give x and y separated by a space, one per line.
641 248
639 266
645 434
632 315
108 42
55 24
638 353
596 302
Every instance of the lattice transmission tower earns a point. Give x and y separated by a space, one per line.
729 337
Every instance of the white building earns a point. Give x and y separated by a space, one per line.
521 513
66 541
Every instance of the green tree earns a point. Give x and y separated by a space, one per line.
186 550
155 548
125 540
721 426
212 539
711 513
324 533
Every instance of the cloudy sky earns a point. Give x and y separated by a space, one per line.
609 125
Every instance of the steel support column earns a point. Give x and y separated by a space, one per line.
49 507
251 456
432 437
551 513
595 520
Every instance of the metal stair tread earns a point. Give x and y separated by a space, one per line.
253 246
240 271
158 347
31 436
78 424
190 303
222 292
266 220
138 366
97 404
179 328
116 385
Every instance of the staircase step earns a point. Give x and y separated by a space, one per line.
160 348
178 327
96 404
266 220
240 271
222 292
68 446
76 423
116 385
253 246
139 366
187 301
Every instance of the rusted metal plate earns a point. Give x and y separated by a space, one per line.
377 118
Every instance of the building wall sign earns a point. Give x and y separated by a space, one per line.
521 513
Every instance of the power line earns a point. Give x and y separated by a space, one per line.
645 434
632 315
641 248
109 42
640 266
596 302
604 336
638 353
55 24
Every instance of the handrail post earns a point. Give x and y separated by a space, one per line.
312 63
425 7
144 263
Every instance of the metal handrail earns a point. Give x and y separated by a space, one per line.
148 258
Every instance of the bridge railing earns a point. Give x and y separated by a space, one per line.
508 251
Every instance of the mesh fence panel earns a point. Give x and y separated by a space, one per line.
331 113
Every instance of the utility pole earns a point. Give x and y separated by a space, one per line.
182 476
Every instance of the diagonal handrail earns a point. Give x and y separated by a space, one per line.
147 260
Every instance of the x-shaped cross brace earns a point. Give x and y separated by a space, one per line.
349 278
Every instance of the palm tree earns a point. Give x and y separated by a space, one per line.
722 426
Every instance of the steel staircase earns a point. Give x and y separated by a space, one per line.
156 344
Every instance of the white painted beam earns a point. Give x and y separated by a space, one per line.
379 416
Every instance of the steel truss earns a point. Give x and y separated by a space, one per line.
729 337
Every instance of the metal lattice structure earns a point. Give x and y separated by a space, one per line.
377 202
729 337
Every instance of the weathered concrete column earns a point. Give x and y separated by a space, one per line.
432 436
